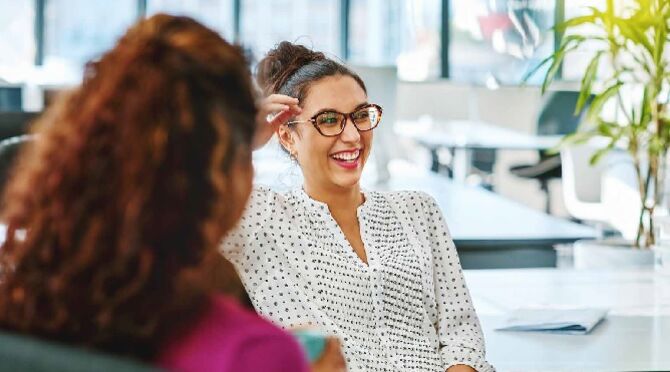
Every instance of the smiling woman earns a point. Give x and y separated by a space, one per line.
379 271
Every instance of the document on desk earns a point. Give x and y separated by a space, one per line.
567 321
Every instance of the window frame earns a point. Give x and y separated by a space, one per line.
345 6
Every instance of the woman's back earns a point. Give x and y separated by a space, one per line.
230 338
115 214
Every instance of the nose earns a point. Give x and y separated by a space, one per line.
350 133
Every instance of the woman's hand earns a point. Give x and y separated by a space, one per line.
273 112
332 359
460 368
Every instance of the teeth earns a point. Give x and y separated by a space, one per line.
347 156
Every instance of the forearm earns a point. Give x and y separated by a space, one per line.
461 368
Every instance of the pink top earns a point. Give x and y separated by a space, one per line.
229 338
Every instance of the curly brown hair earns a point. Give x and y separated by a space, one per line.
117 207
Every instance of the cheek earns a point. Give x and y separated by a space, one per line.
314 149
366 140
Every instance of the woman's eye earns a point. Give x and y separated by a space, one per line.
328 119
363 114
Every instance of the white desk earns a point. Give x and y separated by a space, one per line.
462 136
634 337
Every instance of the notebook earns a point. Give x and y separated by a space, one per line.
568 321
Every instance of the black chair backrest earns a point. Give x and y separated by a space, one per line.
9 149
29 354
15 123
11 98
557 114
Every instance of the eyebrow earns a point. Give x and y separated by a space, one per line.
327 109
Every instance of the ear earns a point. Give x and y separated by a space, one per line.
287 137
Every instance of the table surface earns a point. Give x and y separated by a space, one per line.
476 217
472 135
482 218
635 336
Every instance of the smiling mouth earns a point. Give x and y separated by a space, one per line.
347 156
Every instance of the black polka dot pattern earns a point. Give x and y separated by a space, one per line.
407 309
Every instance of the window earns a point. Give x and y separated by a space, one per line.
575 62
17 38
79 30
313 23
397 32
499 41
216 14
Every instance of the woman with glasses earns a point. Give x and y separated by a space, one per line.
377 270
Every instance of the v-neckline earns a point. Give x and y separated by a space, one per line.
339 235
346 244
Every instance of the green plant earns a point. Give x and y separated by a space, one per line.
631 42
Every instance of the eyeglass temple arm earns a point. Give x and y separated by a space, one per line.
298 121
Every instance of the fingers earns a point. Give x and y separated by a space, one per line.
278 102
280 98
275 107
332 358
282 116
273 111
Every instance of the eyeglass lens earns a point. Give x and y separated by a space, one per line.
332 123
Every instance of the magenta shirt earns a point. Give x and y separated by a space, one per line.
230 338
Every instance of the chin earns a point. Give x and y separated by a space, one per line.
347 180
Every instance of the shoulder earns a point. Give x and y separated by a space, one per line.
228 336
264 195
263 203
415 201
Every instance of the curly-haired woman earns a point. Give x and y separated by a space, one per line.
115 214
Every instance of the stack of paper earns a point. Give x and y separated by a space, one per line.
570 321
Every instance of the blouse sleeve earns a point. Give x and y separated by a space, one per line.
258 210
458 328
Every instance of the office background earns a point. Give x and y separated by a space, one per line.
456 59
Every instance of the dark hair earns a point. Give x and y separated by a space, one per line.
290 69
120 203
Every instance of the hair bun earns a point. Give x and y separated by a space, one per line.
280 63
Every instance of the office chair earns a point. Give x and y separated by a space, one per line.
11 97
556 117
29 354
15 123
9 149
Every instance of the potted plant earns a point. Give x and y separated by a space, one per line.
629 57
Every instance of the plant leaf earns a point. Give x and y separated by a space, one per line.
587 82
595 158
600 99
632 32
573 22
571 139
568 43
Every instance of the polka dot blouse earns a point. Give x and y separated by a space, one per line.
407 309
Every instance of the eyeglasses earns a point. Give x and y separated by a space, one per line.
331 123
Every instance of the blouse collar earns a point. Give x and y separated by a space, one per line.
319 205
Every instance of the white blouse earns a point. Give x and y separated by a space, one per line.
407 309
